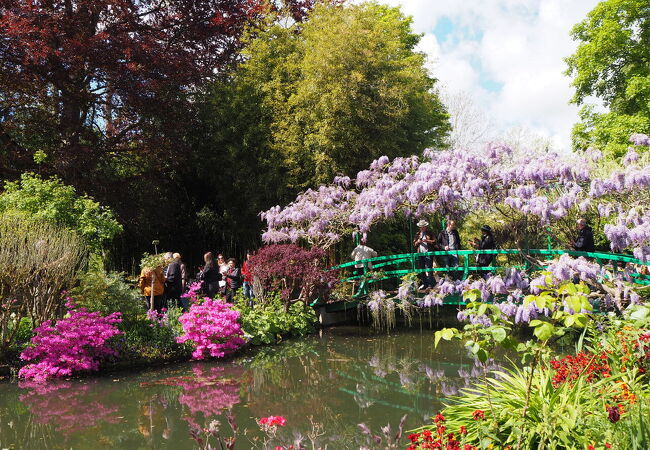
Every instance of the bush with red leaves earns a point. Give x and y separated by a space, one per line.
297 273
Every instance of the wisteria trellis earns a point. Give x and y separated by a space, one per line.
548 186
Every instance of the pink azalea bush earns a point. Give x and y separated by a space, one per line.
78 342
213 328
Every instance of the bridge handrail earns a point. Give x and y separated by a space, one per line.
409 256
465 268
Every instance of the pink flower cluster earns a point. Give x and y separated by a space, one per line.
213 328
77 342
193 293
273 421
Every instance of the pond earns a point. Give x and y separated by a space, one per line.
324 385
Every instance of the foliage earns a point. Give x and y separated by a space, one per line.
107 292
313 77
37 262
52 201
269 322
551 402
147 340
212 327
152 261
139 63
296 273
75 343
611 63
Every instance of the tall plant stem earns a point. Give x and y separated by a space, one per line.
529 386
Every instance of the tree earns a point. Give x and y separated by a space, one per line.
80 79
341 89
612 62
470 125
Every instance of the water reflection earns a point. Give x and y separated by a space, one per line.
338 380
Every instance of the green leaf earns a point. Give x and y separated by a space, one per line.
448 333
544 331
482 309
499 334
535 323
437 335
472 295
482 355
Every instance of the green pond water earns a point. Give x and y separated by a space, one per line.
323 385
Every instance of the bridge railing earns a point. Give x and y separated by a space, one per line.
384 262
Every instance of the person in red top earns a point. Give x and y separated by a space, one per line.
248 277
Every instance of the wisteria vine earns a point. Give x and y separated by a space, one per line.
548 186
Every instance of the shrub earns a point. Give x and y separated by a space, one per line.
212 327
267 323
148 340
107 293
77 342
37 262
54 202
294 272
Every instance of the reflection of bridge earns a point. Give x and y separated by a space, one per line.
396 266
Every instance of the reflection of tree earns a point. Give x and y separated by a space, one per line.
69 407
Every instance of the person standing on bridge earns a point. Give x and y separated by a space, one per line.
486 243
585 240
361 252
449 240
425 242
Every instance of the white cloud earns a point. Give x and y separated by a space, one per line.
519 44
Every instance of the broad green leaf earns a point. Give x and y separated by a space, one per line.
499 334
544 331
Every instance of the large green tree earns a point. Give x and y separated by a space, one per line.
340 90
309 101
612 62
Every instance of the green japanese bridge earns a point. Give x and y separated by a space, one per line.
376 270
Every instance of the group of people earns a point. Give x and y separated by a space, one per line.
223 277
165 285
449 240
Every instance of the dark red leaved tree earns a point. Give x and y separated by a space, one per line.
295 272
84 78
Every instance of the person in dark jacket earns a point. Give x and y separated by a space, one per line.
210 275
585 240
173 281
486 243
448 239
233 279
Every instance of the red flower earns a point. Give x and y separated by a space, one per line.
608 445
462 430
273 421
478 415
590 447
439 418
613 414
469 447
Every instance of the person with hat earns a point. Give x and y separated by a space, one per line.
425 242
486 243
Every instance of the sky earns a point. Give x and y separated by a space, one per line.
508 55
